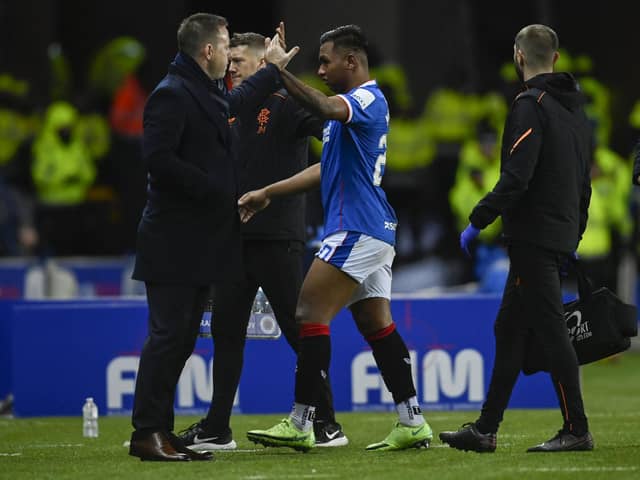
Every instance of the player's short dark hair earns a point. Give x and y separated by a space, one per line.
198 29
250 39
347 37
538 43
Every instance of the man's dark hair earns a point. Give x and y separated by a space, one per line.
538 43
347 37
250 39
198 29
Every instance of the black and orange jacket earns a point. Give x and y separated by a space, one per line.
274 145
544 188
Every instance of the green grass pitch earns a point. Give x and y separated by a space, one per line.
40 448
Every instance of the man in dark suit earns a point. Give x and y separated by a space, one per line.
189 234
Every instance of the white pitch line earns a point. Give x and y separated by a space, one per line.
614 414
446 445
310 475
238 450
302 475
54 445
577 469
3 454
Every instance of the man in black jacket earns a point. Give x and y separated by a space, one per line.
542 195
189 234
273 145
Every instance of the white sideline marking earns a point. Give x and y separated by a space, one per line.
2 454
577 469
615 414
54 445
446 445
238 450
303 475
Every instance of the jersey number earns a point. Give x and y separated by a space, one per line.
378 170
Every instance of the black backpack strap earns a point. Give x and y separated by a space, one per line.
538 95
531 92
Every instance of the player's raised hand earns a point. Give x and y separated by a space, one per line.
282 39
251 203
275 53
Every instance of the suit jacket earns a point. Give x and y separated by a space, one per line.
189 233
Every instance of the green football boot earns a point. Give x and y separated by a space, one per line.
403 437
284 434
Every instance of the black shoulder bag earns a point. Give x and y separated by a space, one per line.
599 325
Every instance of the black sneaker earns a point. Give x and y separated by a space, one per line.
469 438
329 434
565 442
199 440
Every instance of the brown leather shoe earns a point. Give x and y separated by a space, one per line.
179 445
155 446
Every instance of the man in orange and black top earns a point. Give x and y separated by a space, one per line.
273 138
542 195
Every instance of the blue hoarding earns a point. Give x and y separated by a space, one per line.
62 352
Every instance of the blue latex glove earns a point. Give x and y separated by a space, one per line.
468 235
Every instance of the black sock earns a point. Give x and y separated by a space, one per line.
394 363
570 402
324 402
485 428
314 353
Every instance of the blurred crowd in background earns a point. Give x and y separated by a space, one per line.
72 181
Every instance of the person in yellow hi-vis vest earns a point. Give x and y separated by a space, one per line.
62 167
477 171
610 224
595 248
62 170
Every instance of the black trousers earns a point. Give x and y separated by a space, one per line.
276 266
533 300
175 312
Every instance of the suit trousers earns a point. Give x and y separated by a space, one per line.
276 266
532 299
175 312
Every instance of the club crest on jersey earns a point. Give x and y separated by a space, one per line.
263 119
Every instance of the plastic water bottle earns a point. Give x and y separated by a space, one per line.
90 419
205 323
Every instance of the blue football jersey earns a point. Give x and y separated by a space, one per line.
352 165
